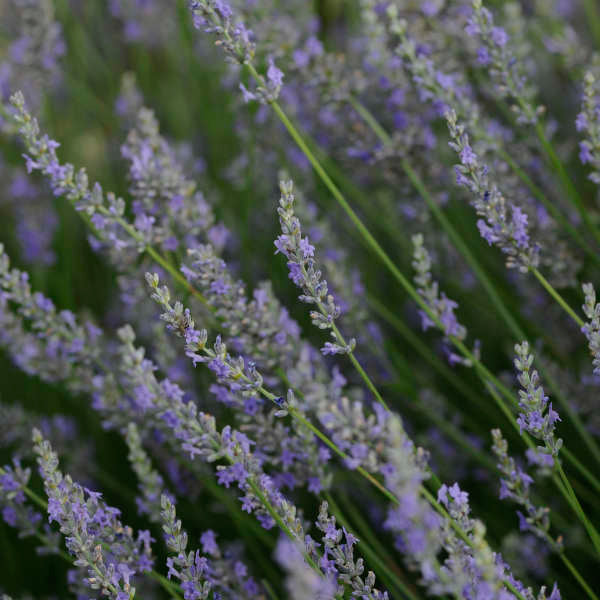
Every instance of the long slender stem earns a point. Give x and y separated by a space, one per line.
593 18
592 532
559 299
582 582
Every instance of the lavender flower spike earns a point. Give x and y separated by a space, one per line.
150 483
588 122
537 417
106 211
439 304
338 559
515 485
190 568
218 18
94 535
591 329
304 272
503 224
505 69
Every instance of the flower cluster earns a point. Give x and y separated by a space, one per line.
506 70
503 224
515 486
91 528
217 17
259 327
158 180
150 482
537 416
235 373
338 558
190 568
591 329
106 212
305 273
588 123
440 305
237 41
15 511
63 336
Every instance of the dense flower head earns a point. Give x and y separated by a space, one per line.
158 180
90 527
338 558
305 273
190 568
506 70
65 338
217 17
502 223
515 485
537 416
32 60
588 124
106 212
259 326
13 501
441 307
591 329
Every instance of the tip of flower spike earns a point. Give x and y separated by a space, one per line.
152 279
36 435
17 99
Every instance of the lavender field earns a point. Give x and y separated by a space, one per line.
297 299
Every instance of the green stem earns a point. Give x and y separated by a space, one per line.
592 532
456 435
556 296
581 468
582 582
269 588
593 18
369 383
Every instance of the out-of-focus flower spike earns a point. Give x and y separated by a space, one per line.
150 482
439 304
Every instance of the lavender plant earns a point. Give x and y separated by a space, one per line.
253 457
